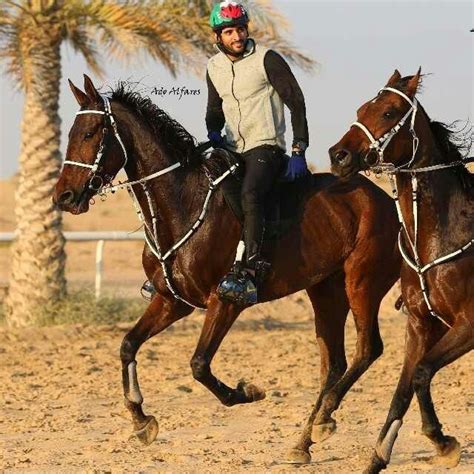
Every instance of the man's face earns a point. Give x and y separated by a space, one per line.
233 39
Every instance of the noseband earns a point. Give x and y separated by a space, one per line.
380 144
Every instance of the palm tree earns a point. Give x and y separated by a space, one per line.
172 32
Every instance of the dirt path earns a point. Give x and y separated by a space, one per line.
62 407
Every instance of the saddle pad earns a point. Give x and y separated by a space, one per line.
284 203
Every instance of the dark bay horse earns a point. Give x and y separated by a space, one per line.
343 250
435 192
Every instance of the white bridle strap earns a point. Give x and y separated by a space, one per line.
400 93
381 143
107 112
128 184
82 112
365 130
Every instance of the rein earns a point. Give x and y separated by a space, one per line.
151 234
380 166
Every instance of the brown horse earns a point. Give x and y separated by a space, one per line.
436 196
342 250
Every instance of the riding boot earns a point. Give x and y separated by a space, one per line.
239 285
253 235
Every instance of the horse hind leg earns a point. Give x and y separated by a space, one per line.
457 341
159 315
330 306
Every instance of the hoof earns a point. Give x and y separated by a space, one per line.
450 455
298 456
323 431
148 433
376 465
252 392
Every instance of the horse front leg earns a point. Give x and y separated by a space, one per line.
219 319
159 315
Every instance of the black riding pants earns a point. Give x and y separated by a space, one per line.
262 166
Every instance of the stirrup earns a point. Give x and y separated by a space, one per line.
238 287
262 267
148 291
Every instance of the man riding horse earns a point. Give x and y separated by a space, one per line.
248 86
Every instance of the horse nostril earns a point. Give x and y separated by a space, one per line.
67 197
342 156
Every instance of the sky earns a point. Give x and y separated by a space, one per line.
357 45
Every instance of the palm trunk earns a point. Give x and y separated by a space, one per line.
38 259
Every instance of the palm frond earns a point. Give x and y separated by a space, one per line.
286 49
12 45
173 32
127 30
83 43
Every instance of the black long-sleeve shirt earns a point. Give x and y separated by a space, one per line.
283 81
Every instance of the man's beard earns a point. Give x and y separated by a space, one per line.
230 52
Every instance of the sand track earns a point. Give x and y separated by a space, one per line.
63 411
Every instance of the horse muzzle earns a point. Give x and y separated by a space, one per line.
72 202
344 163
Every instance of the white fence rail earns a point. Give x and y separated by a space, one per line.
99 237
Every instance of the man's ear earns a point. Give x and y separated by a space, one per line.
81 98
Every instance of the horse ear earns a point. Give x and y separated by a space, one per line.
90 89
396 76
413 83
81 98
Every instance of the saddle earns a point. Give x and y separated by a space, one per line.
284 203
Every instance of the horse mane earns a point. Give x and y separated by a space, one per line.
174 138
453 140
176 142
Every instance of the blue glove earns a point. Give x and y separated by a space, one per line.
296 166
216 139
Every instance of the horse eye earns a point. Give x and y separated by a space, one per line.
388 115
88 135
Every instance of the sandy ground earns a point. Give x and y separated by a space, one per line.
62 408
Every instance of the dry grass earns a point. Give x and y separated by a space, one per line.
82 307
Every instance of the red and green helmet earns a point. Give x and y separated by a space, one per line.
227 14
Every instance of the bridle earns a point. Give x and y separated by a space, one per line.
105 187
100 186
380 144
95 181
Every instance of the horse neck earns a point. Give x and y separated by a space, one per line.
175 196
441 200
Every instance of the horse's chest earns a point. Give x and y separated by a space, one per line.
449 288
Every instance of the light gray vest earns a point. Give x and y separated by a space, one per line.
253 110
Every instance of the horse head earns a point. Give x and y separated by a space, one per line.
95 152
368 142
